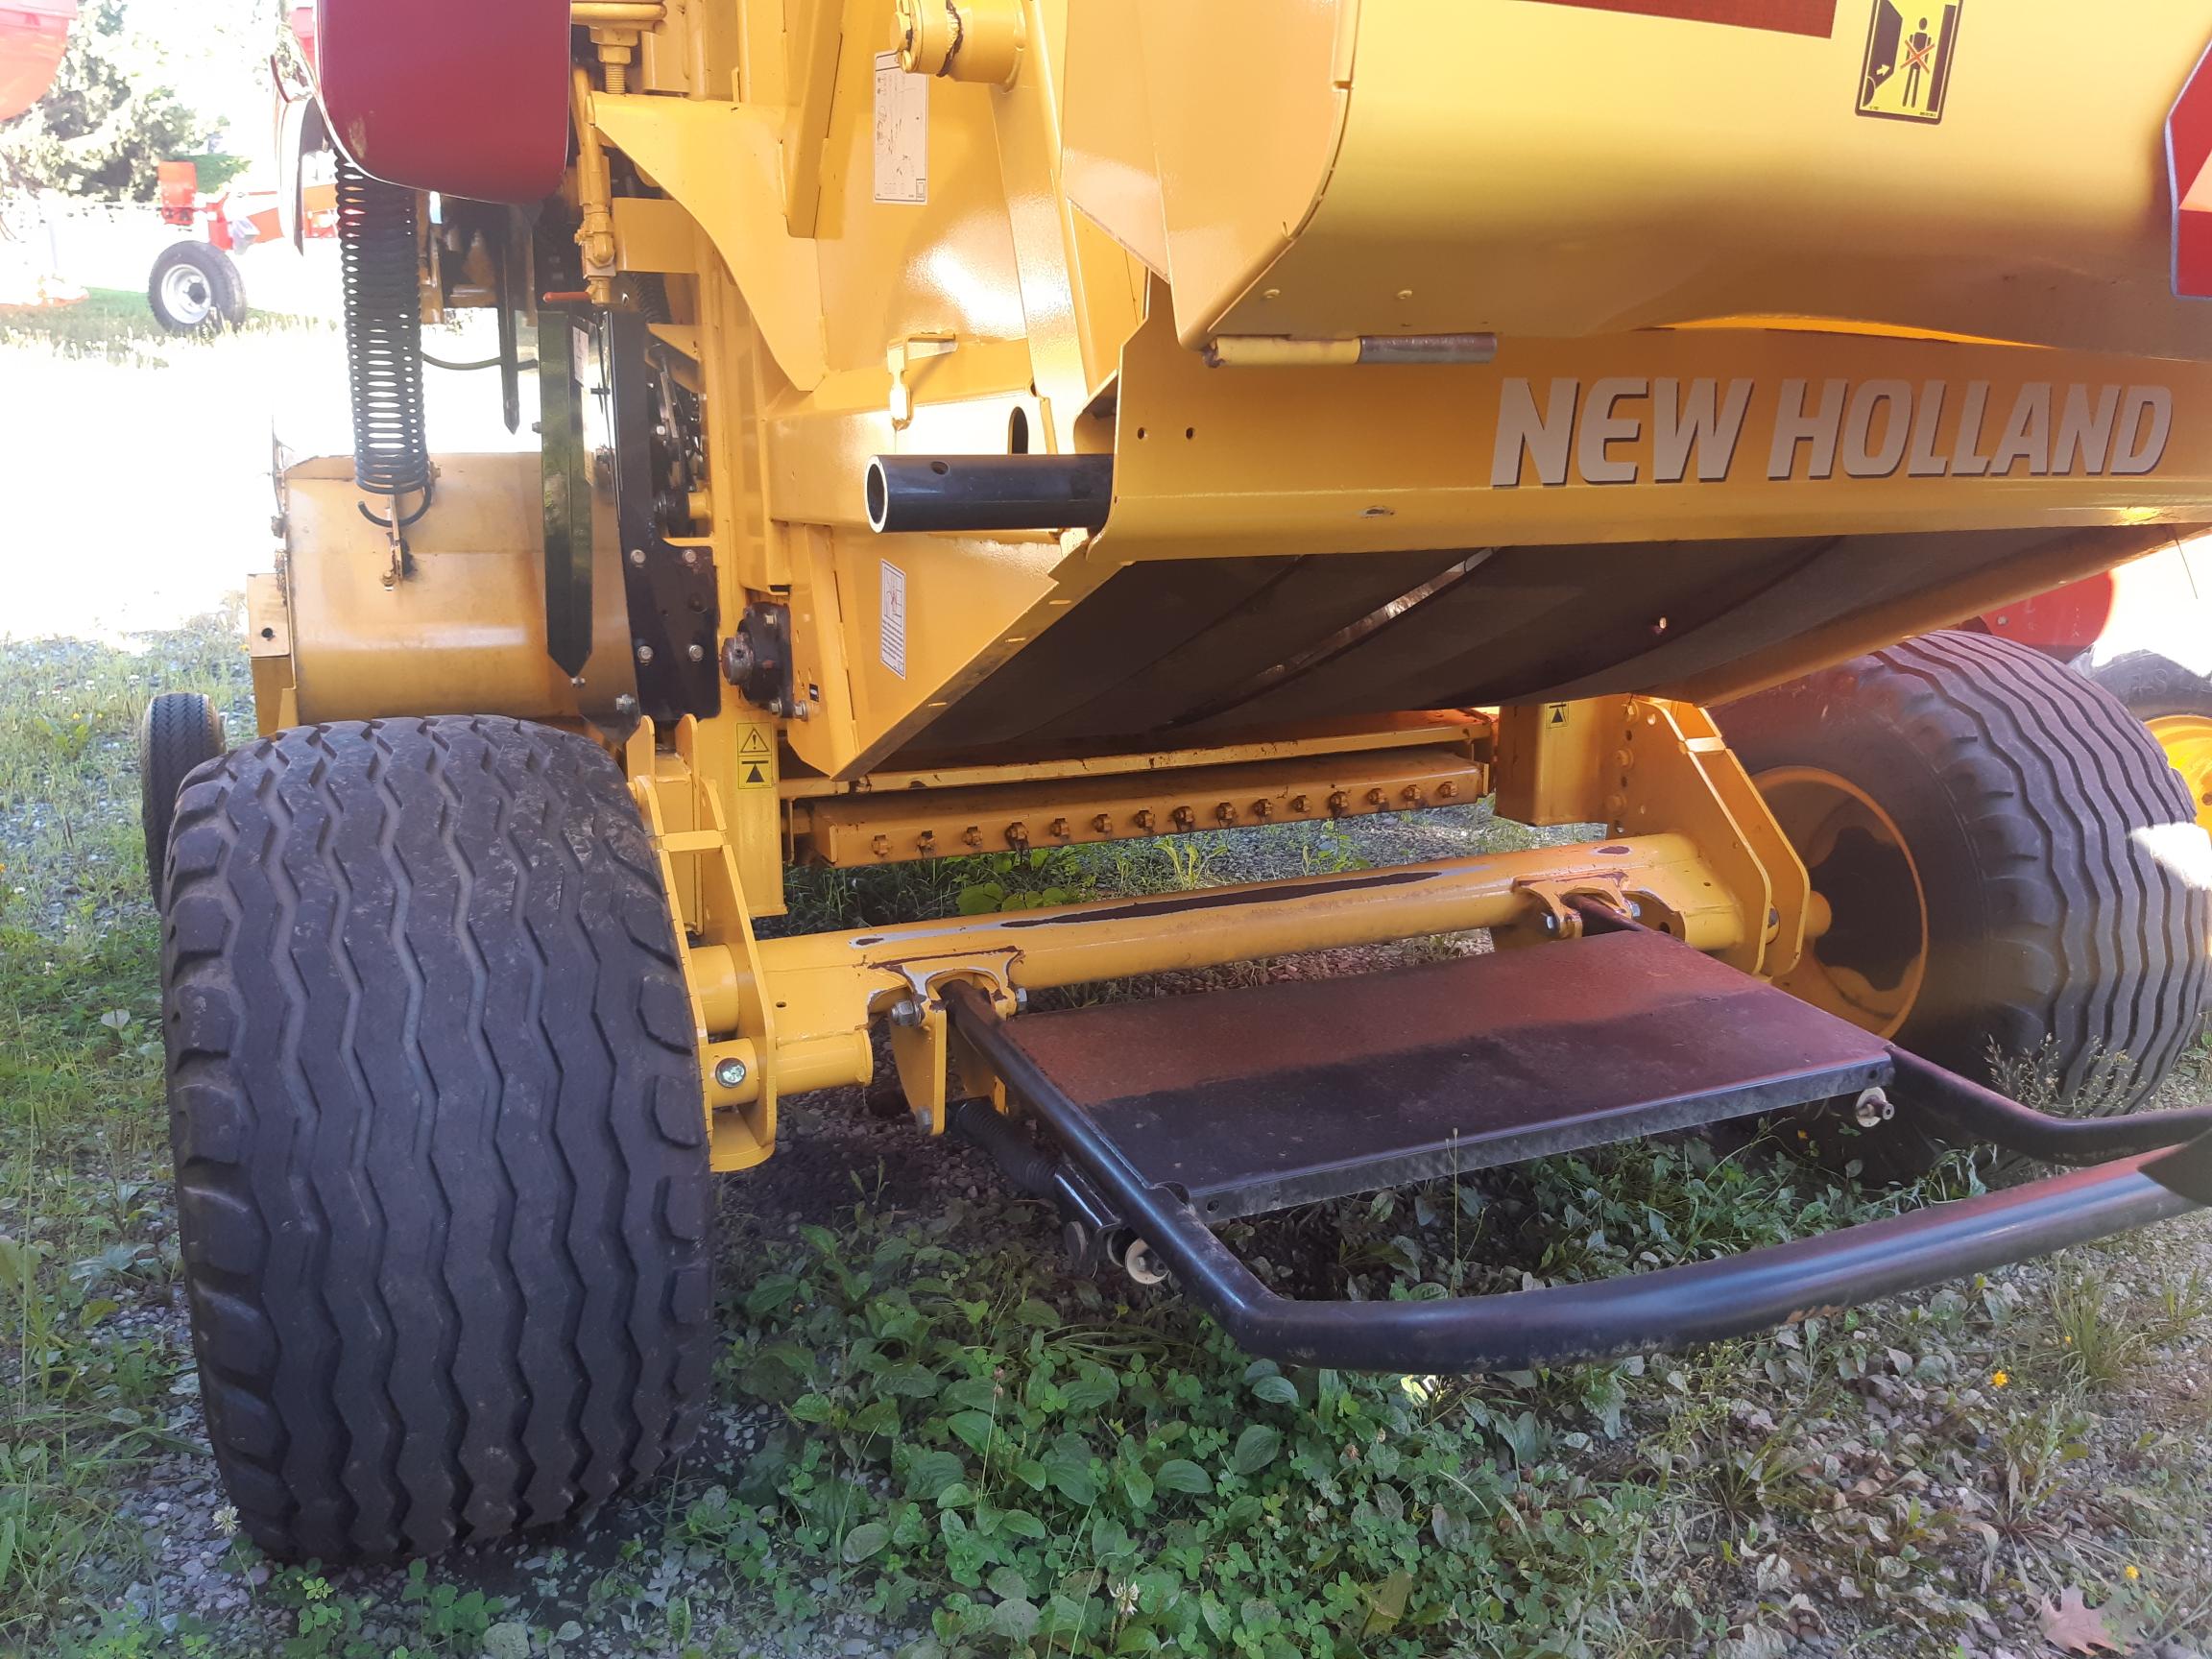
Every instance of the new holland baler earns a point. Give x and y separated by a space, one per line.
984 425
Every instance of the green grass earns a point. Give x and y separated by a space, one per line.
117 325
1016 1462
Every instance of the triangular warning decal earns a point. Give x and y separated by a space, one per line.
756 741
754 775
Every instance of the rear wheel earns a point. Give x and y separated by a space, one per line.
2005 872
2177 704
179 732
440 1151
196 288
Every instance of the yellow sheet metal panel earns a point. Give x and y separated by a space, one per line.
1536 168
1658 434
464 632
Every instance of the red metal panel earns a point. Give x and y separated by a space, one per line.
2062 623
468 100
34 33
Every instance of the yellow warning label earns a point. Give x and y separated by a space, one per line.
1555 714
1907 65
756 760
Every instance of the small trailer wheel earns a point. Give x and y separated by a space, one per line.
2005 870
196 288
441 1145
178 731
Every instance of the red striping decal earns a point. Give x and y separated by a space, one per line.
2188 161
1782 17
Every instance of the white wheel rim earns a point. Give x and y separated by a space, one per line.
187 295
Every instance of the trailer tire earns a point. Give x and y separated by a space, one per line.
2177 704
440 1151
178 731
196 288
2010 865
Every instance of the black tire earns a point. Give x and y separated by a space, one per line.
2154 688
196 288
178 731
2056 934
441 1177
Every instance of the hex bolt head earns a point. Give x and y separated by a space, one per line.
644 651
730 1072
636 554
697 653
691 556
907 1012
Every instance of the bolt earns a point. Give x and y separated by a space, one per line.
907 1012
1225 812
691 556
925 843
1184 818
730 1072
1339 801
1376 797
626 705
1145 819
1551 924
1873 1108
636 554
973 836
880 845
1021 999
1411 794
1059 829
1447 789
1298 803
1262 810
1017 835
737 659
1102 825
697 653
644 653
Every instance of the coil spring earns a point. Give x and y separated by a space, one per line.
376 245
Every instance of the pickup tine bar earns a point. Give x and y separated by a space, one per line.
1603 1319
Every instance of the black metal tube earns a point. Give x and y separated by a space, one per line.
980 492
1603 1319
1981 1113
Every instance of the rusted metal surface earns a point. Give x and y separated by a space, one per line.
1257 1099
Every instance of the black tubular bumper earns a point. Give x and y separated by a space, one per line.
1641 1312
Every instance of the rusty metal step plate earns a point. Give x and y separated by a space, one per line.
1259 1098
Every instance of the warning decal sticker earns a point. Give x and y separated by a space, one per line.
756 760
1816 17
902 132
1908 68
891 630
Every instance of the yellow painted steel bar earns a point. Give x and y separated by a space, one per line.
826 986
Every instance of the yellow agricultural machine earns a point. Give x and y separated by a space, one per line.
973 425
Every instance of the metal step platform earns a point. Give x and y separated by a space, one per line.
1163 1119
1254 1099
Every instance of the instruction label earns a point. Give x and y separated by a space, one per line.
902 132
893 610
756 760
